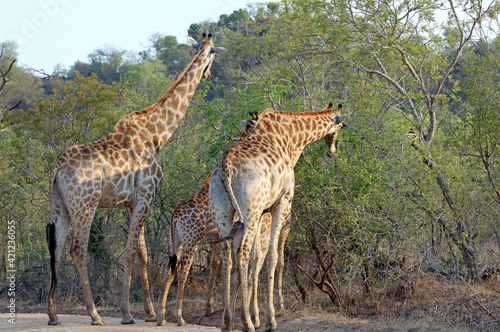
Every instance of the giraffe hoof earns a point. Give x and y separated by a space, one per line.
97 322
54 321
127 321
209 312
181 322
271 326
161 322
151 318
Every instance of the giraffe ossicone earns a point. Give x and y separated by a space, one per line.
121 169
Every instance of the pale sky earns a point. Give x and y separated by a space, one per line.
51 32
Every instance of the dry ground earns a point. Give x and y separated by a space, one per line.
427 305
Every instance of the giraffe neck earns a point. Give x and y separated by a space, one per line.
293 131
158 122
204 188
171 112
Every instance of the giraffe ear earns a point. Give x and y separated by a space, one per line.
193 43
218 50
339 119
243 123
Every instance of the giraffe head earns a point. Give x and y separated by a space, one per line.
249 125
207 52
331 137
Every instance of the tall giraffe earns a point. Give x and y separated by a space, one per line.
191 224
121 169
256 175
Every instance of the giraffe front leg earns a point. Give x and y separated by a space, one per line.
138 215
281 260
137 220
143 264
127 276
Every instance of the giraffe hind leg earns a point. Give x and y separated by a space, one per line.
78 251
56 231
171 272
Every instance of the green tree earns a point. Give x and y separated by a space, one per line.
397 48
108 63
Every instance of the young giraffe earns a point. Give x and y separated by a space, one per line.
121 169
190 225
256 175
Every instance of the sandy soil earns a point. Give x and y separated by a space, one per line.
38 322
297 323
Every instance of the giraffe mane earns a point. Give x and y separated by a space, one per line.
295 115
166 94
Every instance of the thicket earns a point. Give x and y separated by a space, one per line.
415 183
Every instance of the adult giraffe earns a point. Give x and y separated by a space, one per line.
121 169
256 175
191 223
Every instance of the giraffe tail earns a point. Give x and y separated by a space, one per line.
175 244
172 263
51 241
239 226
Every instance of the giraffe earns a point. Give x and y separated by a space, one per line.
256 175
190 225
121 169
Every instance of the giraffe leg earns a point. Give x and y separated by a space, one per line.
242 260
236 277
214 265
172 268
138 216
237 284
281 260
143 264
223 214
272 258
182 274
78 251
227 263
57 231
257 262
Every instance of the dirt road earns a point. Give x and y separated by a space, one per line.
38 322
